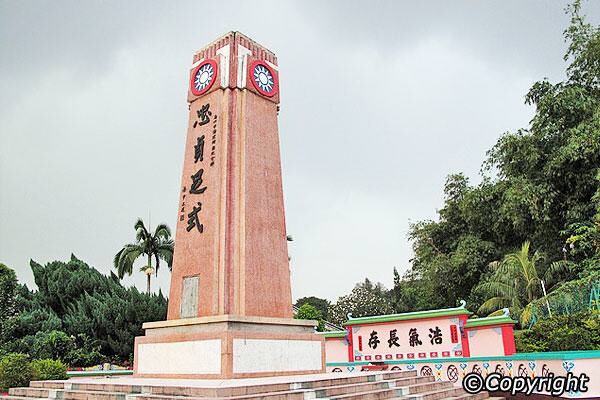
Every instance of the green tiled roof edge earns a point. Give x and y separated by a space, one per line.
446 312
333 334
471 323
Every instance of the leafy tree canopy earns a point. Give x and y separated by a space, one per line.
322 305
540 184
78 315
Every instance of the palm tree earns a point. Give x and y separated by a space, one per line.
516 282
158 246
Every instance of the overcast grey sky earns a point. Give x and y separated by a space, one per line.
380 101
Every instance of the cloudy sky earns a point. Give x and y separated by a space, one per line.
380 101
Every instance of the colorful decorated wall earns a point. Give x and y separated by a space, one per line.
447 345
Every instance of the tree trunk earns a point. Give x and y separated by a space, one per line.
148 275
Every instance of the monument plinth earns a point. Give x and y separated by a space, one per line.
230 303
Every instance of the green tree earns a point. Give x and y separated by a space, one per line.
540 183
322 305
8 291
78 315
361 302
158 246
578 331
516 282
308 311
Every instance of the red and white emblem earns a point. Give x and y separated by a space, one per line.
203 77
263 78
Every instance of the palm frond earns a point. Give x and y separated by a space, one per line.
117 258
127 256
162 232
142 233
526 315
533 288
165 252
556 268
493 304
496 288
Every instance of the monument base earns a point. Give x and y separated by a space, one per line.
228 346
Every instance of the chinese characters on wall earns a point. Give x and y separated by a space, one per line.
402 340
413 338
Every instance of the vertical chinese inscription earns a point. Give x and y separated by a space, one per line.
196 184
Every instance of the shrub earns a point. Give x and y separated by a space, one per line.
48 369
15 371
308 311
579 331
52 345
84 358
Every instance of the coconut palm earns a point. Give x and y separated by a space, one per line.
158 246
516 282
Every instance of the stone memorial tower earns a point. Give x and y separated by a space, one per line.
230 305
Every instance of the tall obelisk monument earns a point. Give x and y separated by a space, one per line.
230 249
230 304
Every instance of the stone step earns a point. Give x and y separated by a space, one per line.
429 386
378 394
364 386
445 393
29 392
90 387
61 394
89 395
330 391
319 392
268 390
223 391
398 374
357 379
47 384
281 395
477 396
11 397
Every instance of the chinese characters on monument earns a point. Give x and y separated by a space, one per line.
196 183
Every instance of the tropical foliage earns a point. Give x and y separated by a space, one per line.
157 246
516 282
78 316
579 331
541 185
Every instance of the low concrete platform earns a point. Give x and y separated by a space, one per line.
228 347
341 386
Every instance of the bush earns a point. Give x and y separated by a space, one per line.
579 331
48 369
308 311
15 371
84 358
52 345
